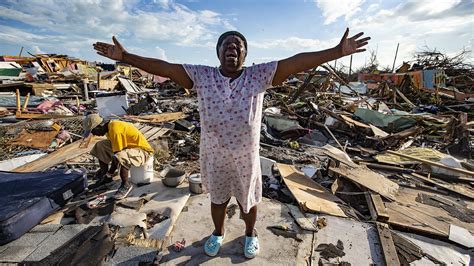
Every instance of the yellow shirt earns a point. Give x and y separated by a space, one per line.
124 135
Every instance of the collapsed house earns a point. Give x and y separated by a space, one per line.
387 158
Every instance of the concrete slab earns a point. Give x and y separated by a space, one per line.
30 239
2 248
360 240
54 241
133 256
21 248
15 254
43 228
167 201
195 225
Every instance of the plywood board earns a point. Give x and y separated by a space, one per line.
310 195
360 240
369 179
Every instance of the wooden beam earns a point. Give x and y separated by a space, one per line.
386 242
370 204
57 157
464 191
382 215
25 104
21 115
157 118
18 104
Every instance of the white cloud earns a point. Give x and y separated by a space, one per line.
293 43
332 10
435 6
163 3
160 53
37 50
95 20
415 24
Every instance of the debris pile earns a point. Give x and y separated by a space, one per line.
390 150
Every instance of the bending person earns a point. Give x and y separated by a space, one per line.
125 147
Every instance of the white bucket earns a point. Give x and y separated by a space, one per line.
143 174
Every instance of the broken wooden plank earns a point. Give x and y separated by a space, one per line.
353 122
377 209
158 134
378 132
415 219
464 191
370 204
310 195
386 242
369 179
157 118
440 165
409 252
20 115
379 206
151 132
338 155
304 222
404 98
25 104
59 156
411 215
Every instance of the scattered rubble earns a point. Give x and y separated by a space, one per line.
388 148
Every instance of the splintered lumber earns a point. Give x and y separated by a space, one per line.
60 156
377 209
464 191
388 247
21 115
380 208
440 165
304 222
410 215
338 155
25 104
18 105
369 179
157 118
310 195
409 252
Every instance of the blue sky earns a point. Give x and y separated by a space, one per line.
185 31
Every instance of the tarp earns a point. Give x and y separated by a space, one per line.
27 198
395 122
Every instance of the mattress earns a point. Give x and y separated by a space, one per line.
27 198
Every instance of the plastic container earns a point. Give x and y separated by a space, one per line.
195 184
143 174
